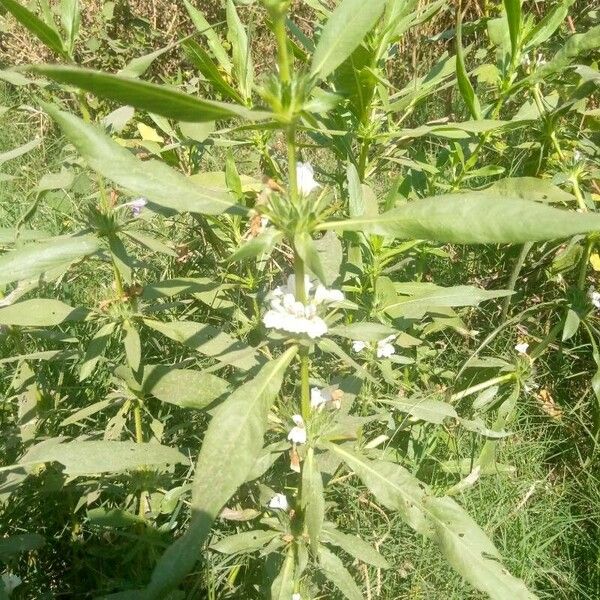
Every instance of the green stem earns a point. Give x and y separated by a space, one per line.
513 278
282 49
482 386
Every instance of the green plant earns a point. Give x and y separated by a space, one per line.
329 96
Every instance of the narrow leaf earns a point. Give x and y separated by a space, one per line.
40 312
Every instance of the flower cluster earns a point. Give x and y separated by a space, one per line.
594 297
385 349
289 314
306 179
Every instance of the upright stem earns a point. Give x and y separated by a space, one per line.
282 49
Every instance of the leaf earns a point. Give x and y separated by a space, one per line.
473 218
464 544
95 457
343 32
46 34
248 541
151 179
571 325
240 46
513 16
547 26
478 426
208 340
214 43
16 152
333 568
283 585
232 443
464 83
95 350
365 331
432 411
415 306
264 242
70 19
40 312
529 188
354 546
312 499
133 345
113 518
331 255
306 249
182 387
200 59
157 99
23 542
139 65
87 411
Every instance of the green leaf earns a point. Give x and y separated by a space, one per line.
16 152
464 83
333 568
513 15
414 305
365 331
306 249
263 242
46 34
213 40
208 340
571 325
344 31
240 46
312 500
24 542
182 387
432 411
40 312
547 26
248 541
201 60
464 544
473 218
139 65
133 345
95 350
94 457
529 188
33 260
157 99
70 19
354 546
331 256
231 445
283 585
151 179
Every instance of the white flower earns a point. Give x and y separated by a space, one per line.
297 434
577 156
279 502
540 60
385 348
137 205
319 397
289 314
359 345
327 296
525 60
306 179
296 596
594 297
522 347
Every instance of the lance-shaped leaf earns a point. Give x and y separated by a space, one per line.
313 500
458 536
96 349
93 457
157 99
354 546
151 179
283 585
35 259
40 312
183 387
208 340
46 34
344 31
231 445
513 16
247 541
462 77
473 218
20 150
306 249
333 568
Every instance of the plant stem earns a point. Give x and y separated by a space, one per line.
282 49
482 386
513 278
